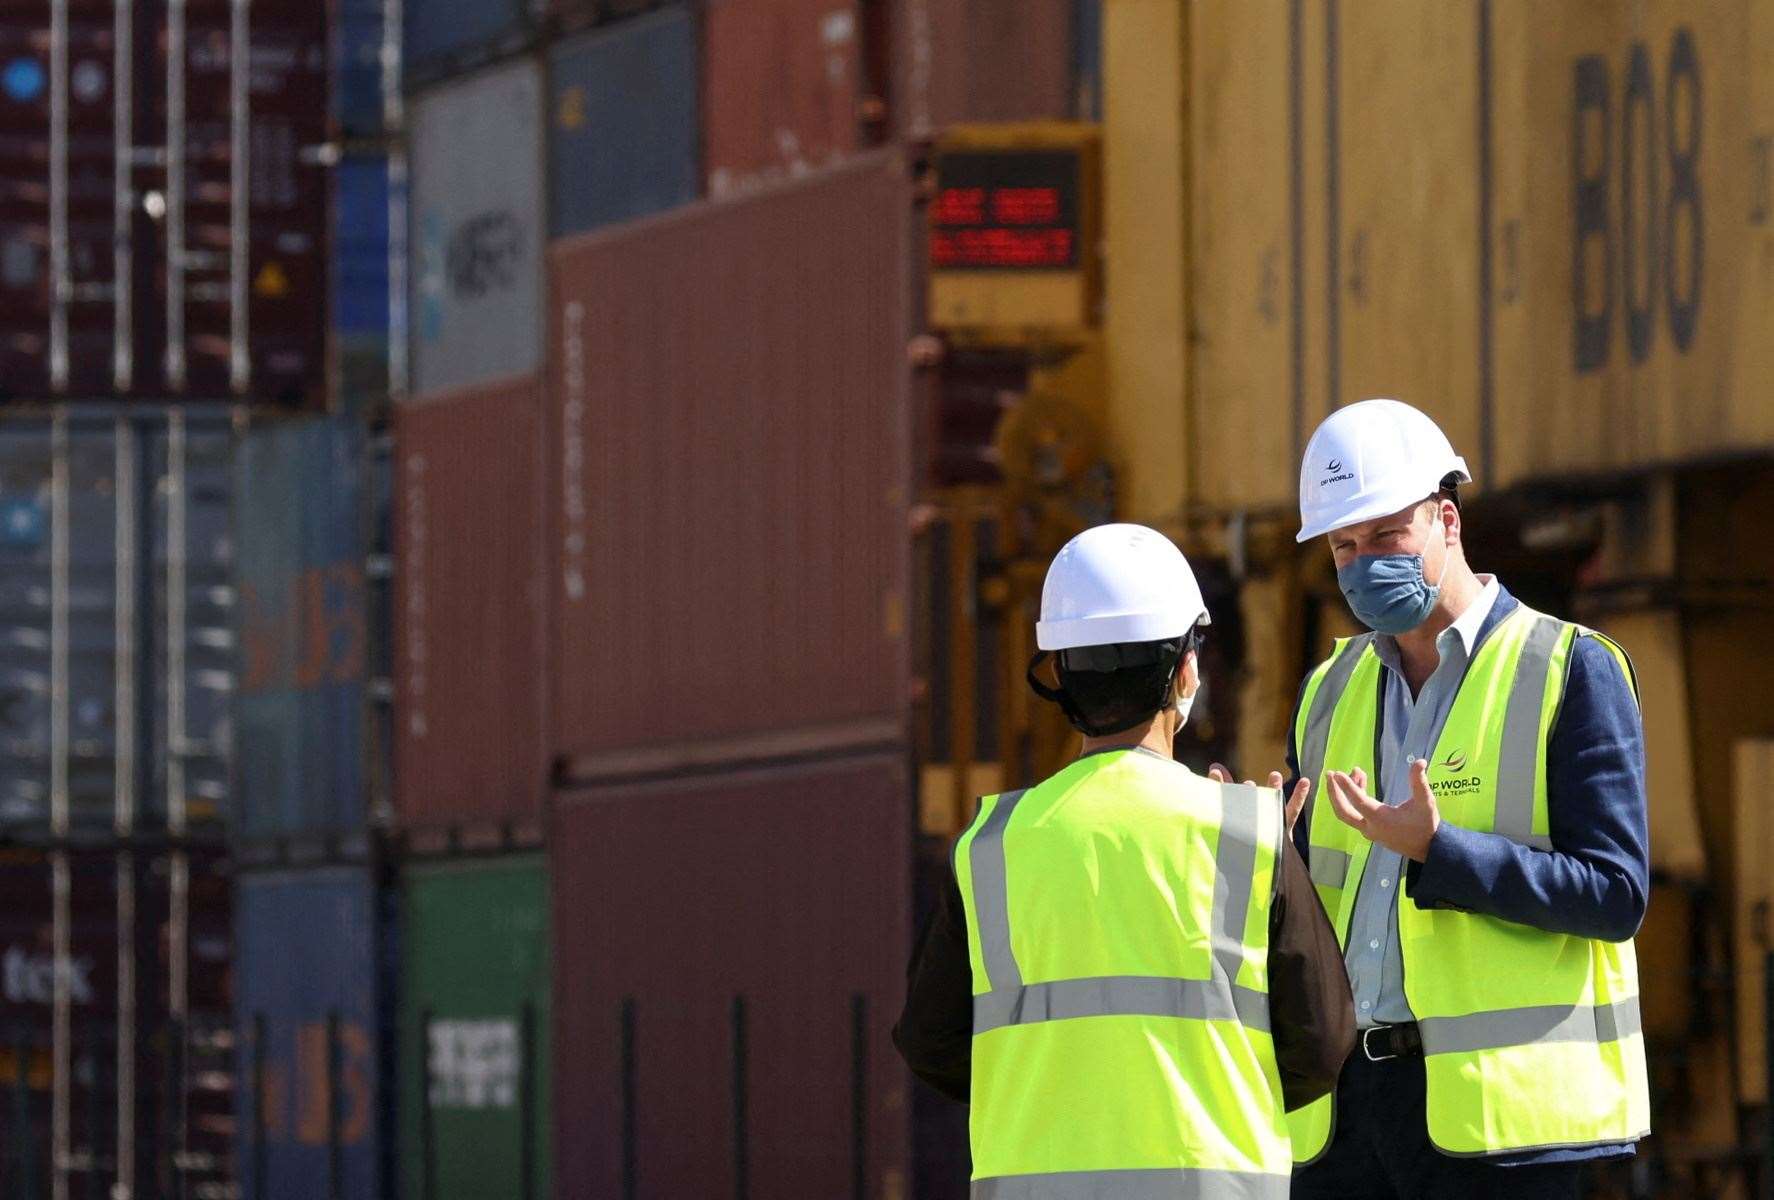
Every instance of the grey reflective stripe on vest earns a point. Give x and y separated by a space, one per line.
1120 996
1519 766
991 894
1330 868
1235 870
1540 1025
1167 1183
1010 1002
1324 707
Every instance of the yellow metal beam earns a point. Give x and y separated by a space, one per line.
1145 239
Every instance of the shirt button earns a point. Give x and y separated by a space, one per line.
1385 883
1374 945
1365 1005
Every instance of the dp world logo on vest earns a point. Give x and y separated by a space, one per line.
1453 780
1337 474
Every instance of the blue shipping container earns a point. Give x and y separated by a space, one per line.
623 122
358 31
302 629
119 471
360 246
312 953
441 34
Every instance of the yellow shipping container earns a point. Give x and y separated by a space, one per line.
1549 225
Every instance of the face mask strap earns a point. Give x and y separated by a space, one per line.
1053 695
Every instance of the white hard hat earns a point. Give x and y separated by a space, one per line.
1371 459
1118 583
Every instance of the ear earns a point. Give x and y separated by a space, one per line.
1450 520
1188 676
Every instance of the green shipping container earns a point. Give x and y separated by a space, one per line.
474 1091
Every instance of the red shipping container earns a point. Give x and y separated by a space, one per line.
730 428
28 973
117 332
983 60
468 586
782 83
729 957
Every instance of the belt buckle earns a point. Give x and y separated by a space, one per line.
1367 1050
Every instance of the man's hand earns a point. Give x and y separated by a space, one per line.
1405 829
1295 802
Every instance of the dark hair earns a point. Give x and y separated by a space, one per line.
1113 688
1450 489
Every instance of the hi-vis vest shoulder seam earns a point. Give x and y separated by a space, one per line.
1549 1053
1068 1011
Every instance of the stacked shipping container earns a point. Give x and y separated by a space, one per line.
736 958
116 681
474 1028
646 483
311 933
183 274
471 1032
105 1099
312 999
313 937
652 584
730 380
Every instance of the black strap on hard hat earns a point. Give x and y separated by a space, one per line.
1111 658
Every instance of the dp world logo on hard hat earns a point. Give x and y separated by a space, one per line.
1337 474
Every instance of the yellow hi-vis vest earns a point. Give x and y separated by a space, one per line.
1118 929
1531 1039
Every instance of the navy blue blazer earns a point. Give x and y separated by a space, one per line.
1595 880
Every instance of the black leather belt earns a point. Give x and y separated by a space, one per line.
1382 1042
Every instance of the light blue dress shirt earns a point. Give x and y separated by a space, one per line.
1409 728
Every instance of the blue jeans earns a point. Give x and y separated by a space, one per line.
1381 1149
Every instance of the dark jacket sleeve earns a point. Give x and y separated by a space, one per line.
1594 881
935 1030
1302 827
1311 1012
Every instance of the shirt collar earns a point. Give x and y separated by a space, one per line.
1466 626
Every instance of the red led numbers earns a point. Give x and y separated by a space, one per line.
959 206
1001 248
1025 206
1005 211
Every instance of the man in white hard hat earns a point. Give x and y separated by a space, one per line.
1130 977
1478 836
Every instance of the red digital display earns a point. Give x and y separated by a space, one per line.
997 210
1001 248
1025 205
959 206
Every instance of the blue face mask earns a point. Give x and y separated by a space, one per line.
1387 592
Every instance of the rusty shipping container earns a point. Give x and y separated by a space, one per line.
1551 226
808 116
729 427
985 60
748 931
197 273
469 678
